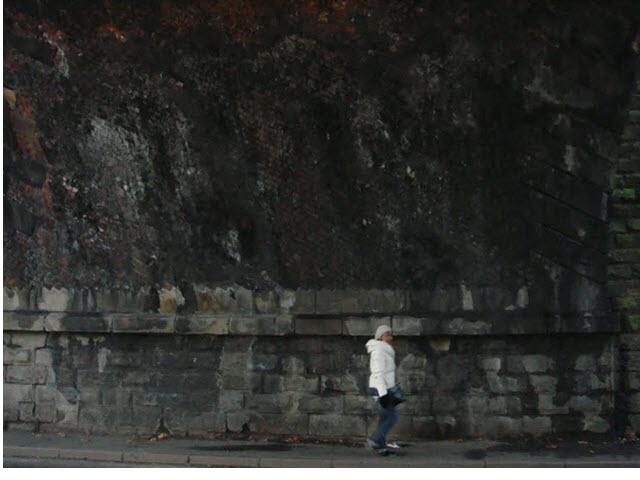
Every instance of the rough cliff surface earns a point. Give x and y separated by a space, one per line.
315 144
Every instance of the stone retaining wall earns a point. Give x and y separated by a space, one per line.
299 381
624 266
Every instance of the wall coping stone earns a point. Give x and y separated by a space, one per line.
507 323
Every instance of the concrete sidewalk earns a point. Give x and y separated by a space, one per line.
27 449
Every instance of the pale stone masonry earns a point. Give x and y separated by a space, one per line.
286 374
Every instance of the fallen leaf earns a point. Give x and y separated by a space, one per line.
582 442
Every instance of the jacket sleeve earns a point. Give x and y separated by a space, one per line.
377 367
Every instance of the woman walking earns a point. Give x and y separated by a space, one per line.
382 385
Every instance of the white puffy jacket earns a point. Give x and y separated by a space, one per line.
383 366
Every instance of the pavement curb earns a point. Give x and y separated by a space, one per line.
177 459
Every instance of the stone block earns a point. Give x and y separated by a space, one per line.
446 424
331 425
149 399
200 324
634 422
536 426
170 298
417 405
46 393
596 424
543 383
328 363
106 300
286 301
236 421
305 302
500 426
585 363
440 344
588 382
237 362
265 302
125 359
279 423
30 427
244 300
338 383
270 402
424 426
453 370
27 412
230 401
27 374
537 363
272 383
363 326
413 384
402 429
265 362
414 326
261 325
491 364
302 384
509 405
443 403
502 384
137 377
143 323
514 364
11 412
66 322
54 299
16 356
341 301
629 341
22 299
242 381
632 380
633 403
318 326
411 363
389 301
321 403
223 300
359 404
46 412
21 321
445 300
283 325
205 423
546 405
584 404
630 361
292 364
462 326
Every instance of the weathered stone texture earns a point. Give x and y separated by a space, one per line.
118 383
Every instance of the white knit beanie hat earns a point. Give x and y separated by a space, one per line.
381 330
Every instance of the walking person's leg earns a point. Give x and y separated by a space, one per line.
388 417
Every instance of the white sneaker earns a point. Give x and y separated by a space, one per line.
393 446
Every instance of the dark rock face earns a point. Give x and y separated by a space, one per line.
324 144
